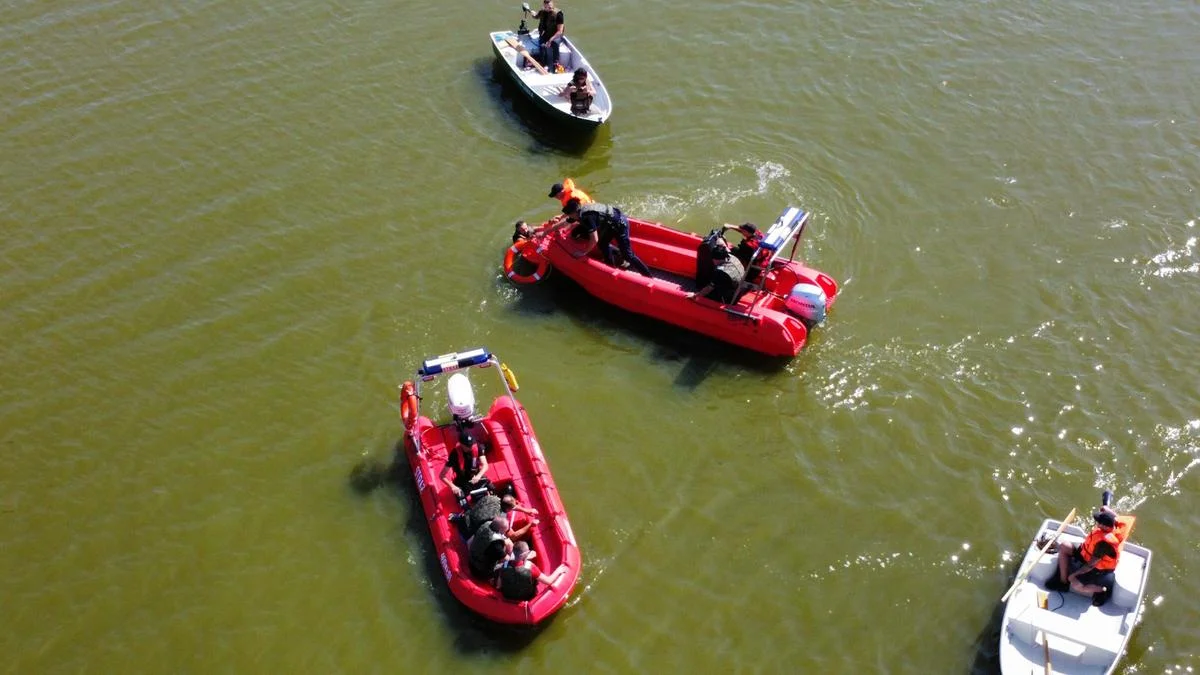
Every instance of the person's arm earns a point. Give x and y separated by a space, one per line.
559 26
447 481
517 534
703 292
526 509
553 577
1101 551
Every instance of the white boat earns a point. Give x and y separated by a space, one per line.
1072 635
518 51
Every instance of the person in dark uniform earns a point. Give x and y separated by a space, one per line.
551 26
725 276
469 465
603 223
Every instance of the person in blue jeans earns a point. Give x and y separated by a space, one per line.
550 32
603 223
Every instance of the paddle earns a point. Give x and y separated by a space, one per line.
515 44
1029 568
1044 603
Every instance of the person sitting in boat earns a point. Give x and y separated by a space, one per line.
580 92
748 246
1090 568
488 547
551 26
602 223
521 519
726 275
566 191
468 464
517 579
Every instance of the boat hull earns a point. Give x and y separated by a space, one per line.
514 457
1082 639
758 321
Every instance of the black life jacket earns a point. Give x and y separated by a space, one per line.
517 583
727 276
548 24
482 511
484 550
465 464
704 258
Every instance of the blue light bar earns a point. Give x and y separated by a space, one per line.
790 224
448 363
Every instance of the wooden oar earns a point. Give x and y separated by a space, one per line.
1044 603
1032 563
515 44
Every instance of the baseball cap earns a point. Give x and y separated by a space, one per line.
555 189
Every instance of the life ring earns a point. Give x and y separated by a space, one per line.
526 249
409 404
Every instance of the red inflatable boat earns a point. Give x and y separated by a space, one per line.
771 314
515 464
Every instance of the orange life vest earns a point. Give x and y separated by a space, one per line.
569 191
1115 539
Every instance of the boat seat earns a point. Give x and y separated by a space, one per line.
1027 624
1129 581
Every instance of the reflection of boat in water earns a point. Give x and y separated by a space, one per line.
545 88
1070 634
515 463
771 313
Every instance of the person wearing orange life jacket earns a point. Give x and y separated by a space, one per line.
1090 568
566 191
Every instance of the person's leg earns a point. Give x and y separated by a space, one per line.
1096 582
554 51
606 237
626 247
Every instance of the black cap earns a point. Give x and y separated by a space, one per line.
466 438
750 228
571 206
1105 518
555 189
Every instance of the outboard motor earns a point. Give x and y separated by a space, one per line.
807 301
460 397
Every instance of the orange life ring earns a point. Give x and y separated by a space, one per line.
409 404
526 249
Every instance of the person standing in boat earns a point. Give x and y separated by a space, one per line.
603 223
551 27
725 276
517 579
566 191
468 464
1090 568
580 92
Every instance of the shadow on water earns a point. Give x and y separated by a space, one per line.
699 356
987 642
549 135
473 635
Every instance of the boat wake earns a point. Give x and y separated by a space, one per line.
728 183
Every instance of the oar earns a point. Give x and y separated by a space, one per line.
512 42
1044 603
1029 568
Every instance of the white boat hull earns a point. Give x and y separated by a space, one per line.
1083 640
546 90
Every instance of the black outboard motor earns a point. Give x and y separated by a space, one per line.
523 29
